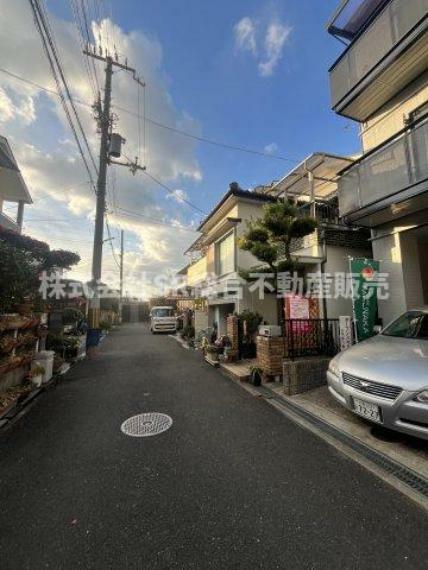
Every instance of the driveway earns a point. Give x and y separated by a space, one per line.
232 484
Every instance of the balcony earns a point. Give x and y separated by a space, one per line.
8 223
389 182
385 57
197 272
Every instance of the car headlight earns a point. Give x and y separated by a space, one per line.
334 368
422 397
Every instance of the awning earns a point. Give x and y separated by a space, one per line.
324 168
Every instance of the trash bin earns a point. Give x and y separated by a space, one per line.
46 359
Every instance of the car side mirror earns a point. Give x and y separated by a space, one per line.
377 329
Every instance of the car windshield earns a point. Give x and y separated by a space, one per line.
163 312
413 324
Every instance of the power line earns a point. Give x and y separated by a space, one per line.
167 127
173 193
56 67
157 221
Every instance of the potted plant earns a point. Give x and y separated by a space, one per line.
212 352
36 375
7 343
256 375
105 326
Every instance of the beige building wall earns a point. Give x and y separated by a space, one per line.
338 262
391 118
247 213
197 272
412 276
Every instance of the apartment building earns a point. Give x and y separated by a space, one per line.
312 185
217 261
14 193
381 81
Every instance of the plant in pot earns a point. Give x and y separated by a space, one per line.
71 316
212 352
7 343
105 326
256 375
36 375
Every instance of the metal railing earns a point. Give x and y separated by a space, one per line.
325 212
310 337
399 164
8 222
386 31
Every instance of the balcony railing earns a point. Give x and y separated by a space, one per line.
325 212
8 223
400 164
397 19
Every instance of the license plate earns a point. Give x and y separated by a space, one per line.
367 410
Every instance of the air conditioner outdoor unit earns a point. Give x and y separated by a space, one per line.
269 330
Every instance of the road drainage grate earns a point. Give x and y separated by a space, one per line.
407 476
145 425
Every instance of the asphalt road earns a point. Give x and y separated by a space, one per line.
232 484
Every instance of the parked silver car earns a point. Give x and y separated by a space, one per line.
385 379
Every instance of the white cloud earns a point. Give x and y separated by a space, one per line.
275 39
245 35
179 196
47 155
271 148
264 41
22 108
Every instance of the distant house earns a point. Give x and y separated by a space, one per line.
217 260
13 189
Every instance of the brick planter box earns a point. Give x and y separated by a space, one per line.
270 355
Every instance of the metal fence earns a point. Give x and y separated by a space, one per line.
310 337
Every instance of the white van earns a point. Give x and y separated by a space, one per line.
163 319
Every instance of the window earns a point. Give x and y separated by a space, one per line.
410 325
225 255
162 312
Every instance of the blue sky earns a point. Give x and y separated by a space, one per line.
252 74
221 89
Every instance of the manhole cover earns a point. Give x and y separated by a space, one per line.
145 425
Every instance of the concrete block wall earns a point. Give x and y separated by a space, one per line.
304 374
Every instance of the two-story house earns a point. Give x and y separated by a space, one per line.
381 81
13 189
217 260
312 185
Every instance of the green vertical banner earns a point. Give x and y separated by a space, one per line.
364 295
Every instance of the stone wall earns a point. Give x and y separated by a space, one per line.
270 354
304 374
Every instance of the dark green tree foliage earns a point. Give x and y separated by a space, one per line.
22 260
269 238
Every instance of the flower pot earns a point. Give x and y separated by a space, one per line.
25 308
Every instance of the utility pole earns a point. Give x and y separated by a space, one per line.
105 125
121 272
105 122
